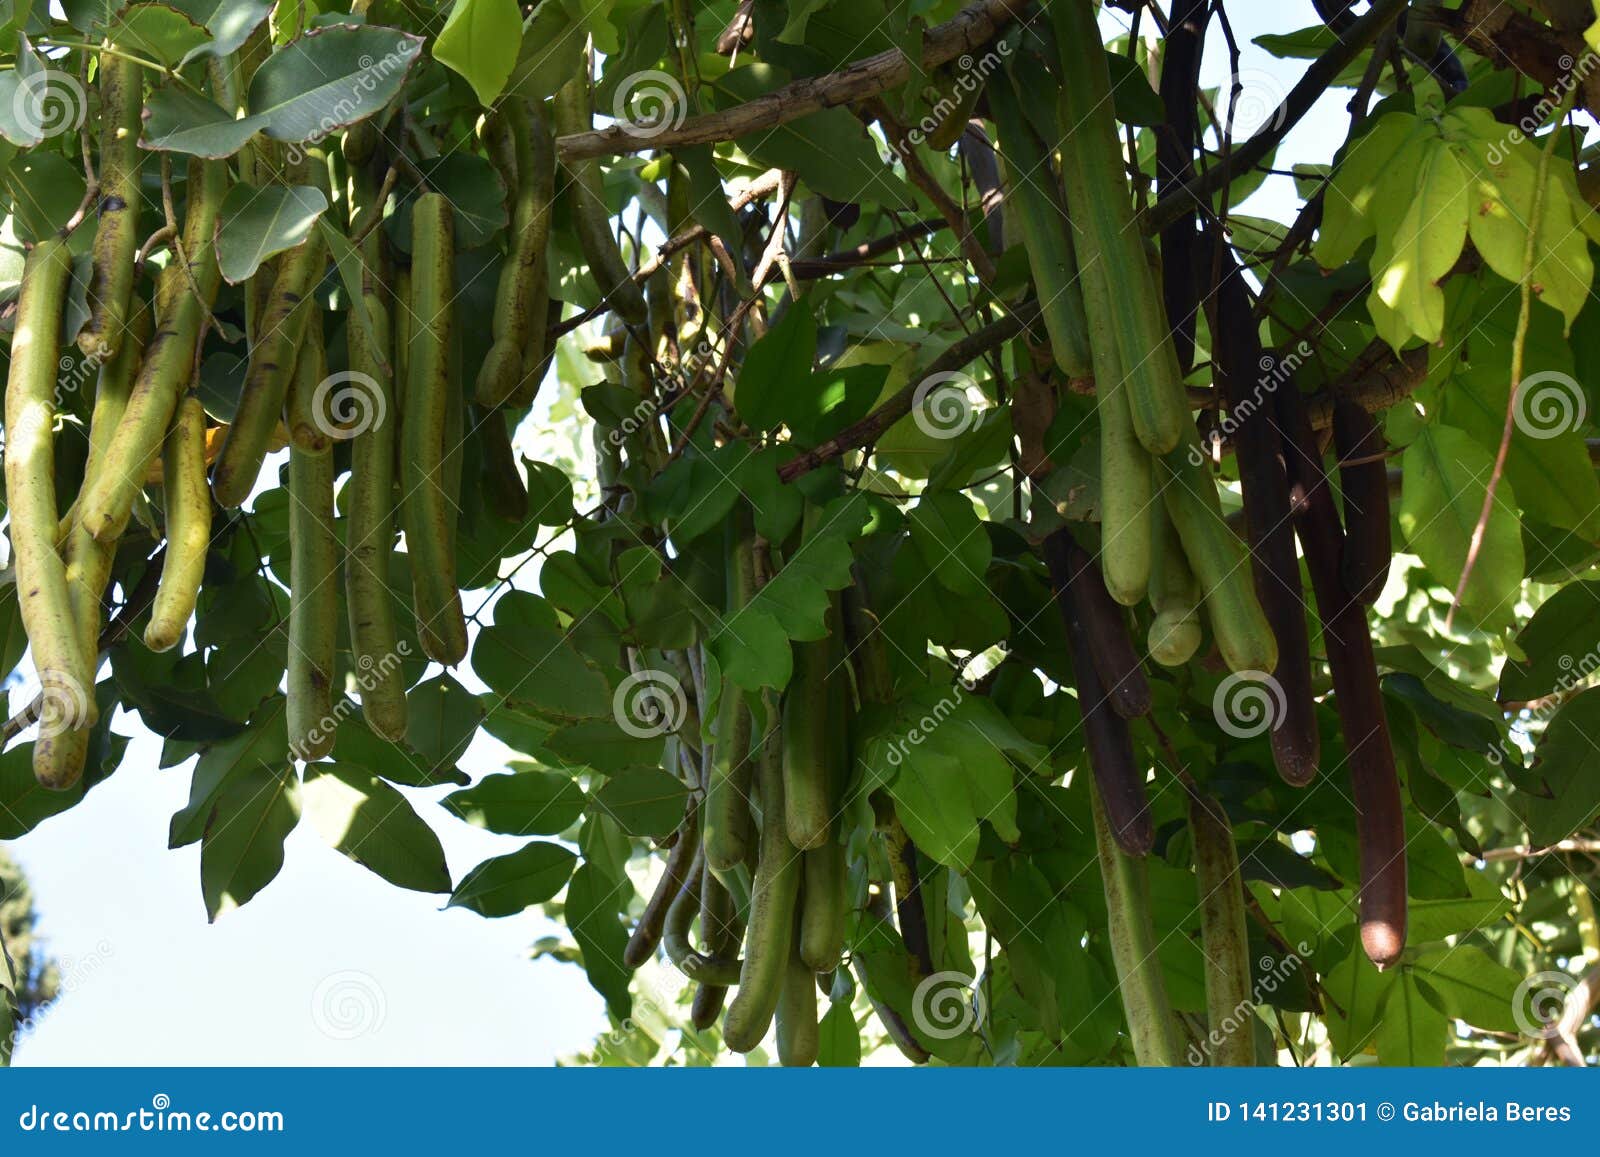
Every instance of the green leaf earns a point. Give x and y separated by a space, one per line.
263 746
947 532
1379 166
1425 244
936 752
838 1038
356 743
230 22
593 904
321 82
13 639
242 849
177 120
1411 1032
644 802
1567 764
1135 102
1446 474
330 78
161 32
1465 983
1559 644
442 716
830 149
542 671
775 369
552 47
372 823
507 885
1358 992
527 802
1505 177
603 746
481 40
255 225
24 804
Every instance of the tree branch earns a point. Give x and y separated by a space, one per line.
874 424
1316 81
972 26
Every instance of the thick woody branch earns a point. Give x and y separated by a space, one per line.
972 26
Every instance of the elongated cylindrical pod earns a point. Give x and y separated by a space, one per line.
646 935
1380 819
313 605
1181 251
519 306
1218 560
812 727
1033 201
1106 739
188 510
1175 632
719 965
311 424
1127 488
1223 934
266 380
905 870
1151 1024
824 907
770 935
170 359
797 1034
116 236
370 497
426 511
1098 202
1237 358
88 560
591 219
1116 661
1364 485
66 678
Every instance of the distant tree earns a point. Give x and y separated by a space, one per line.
29 979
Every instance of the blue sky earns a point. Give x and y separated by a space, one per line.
330 965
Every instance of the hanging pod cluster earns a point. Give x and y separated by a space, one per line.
1163 535
756 894
151 436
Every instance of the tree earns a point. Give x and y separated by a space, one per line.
30 980
971 570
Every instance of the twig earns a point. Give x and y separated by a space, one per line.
1519 341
